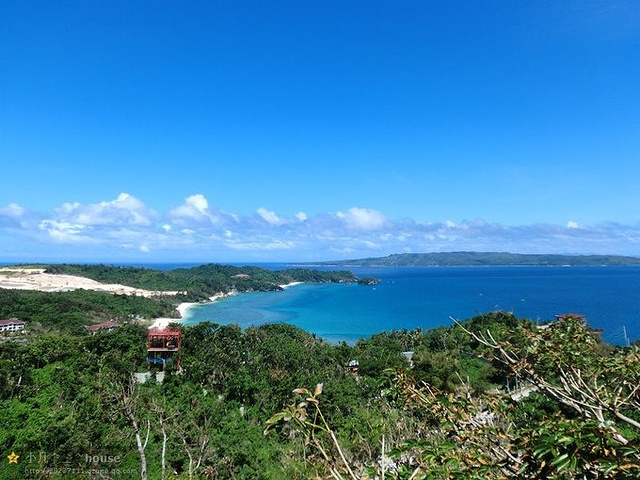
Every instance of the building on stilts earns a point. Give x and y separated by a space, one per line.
163 347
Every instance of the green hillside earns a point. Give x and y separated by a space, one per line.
469 259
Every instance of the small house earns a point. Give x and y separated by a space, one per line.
163 346
11 325
352 366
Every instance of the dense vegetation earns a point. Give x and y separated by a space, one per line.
69 408
200 283
471 259
69 311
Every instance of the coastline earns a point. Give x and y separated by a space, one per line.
292 284
184 307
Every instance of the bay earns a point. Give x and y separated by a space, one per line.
412 297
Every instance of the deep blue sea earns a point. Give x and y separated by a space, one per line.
412 297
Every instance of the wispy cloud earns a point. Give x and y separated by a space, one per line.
270 217
12 210
65 232
124 210
195 227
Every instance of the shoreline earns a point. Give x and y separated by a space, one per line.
292 284
184 307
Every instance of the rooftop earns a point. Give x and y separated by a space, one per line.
11 321
158 332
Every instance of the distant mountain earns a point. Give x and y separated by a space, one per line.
466 259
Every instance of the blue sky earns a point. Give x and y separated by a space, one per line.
282 131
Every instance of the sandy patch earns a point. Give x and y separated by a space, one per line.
36 279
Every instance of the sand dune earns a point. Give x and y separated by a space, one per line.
35 279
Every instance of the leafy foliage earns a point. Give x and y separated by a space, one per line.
65 398
573 432
69 311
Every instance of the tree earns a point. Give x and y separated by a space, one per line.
124 395
567 361
581 424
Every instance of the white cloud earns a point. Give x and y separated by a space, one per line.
13 216
12 210
266 245
196 213
362 218
195 209
196 226
198 202
124 210
65 232
269 216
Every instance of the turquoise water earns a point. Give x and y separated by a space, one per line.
427 297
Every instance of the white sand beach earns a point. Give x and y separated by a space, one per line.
292 284
162 323
183 308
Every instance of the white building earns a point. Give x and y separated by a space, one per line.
11 325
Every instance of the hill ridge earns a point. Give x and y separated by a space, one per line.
472 258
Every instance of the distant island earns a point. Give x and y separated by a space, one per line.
471 259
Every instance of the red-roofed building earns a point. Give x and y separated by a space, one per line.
11 325
163 346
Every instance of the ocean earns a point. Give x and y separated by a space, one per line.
412 297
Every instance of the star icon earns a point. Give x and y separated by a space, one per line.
13 458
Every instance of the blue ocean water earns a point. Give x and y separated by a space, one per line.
427 297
